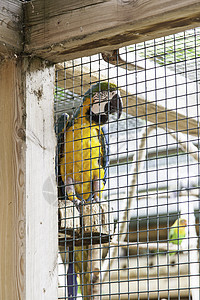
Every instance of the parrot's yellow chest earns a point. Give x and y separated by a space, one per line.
82 157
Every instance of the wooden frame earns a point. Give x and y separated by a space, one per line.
41 195
52 32
64 30
49 30
12 178
28 268
11 29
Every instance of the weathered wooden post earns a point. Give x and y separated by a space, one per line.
28 268
28 214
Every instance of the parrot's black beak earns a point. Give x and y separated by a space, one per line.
114 106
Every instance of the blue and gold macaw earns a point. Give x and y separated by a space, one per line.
83 161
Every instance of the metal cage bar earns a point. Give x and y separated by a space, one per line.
139 238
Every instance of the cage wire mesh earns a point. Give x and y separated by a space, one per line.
137 236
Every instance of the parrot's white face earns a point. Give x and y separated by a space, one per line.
105 103
100 100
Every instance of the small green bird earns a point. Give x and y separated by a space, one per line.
177 232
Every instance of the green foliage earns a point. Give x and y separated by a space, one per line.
171 49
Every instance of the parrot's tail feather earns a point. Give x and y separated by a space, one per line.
72 285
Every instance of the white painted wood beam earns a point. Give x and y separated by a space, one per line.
28 215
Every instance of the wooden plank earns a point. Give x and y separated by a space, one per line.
149 266
41 204
12 177
28 221
150 288
11 32
149 276
78 79
61 30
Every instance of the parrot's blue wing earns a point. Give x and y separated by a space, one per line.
105 148
63 122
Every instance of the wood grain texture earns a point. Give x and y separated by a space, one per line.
11 31
12 178
28 215
64 30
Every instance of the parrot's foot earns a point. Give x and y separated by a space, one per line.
77 204
71 193
73 199
95 200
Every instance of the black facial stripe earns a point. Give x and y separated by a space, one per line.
97 118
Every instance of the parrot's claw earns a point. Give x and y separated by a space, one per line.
95 200
77 202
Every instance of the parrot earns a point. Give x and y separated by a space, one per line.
177 232
83 162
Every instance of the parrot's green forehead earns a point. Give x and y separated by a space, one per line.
100 87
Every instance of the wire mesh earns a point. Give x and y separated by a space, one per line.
137 237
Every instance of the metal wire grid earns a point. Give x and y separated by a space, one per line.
153 175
